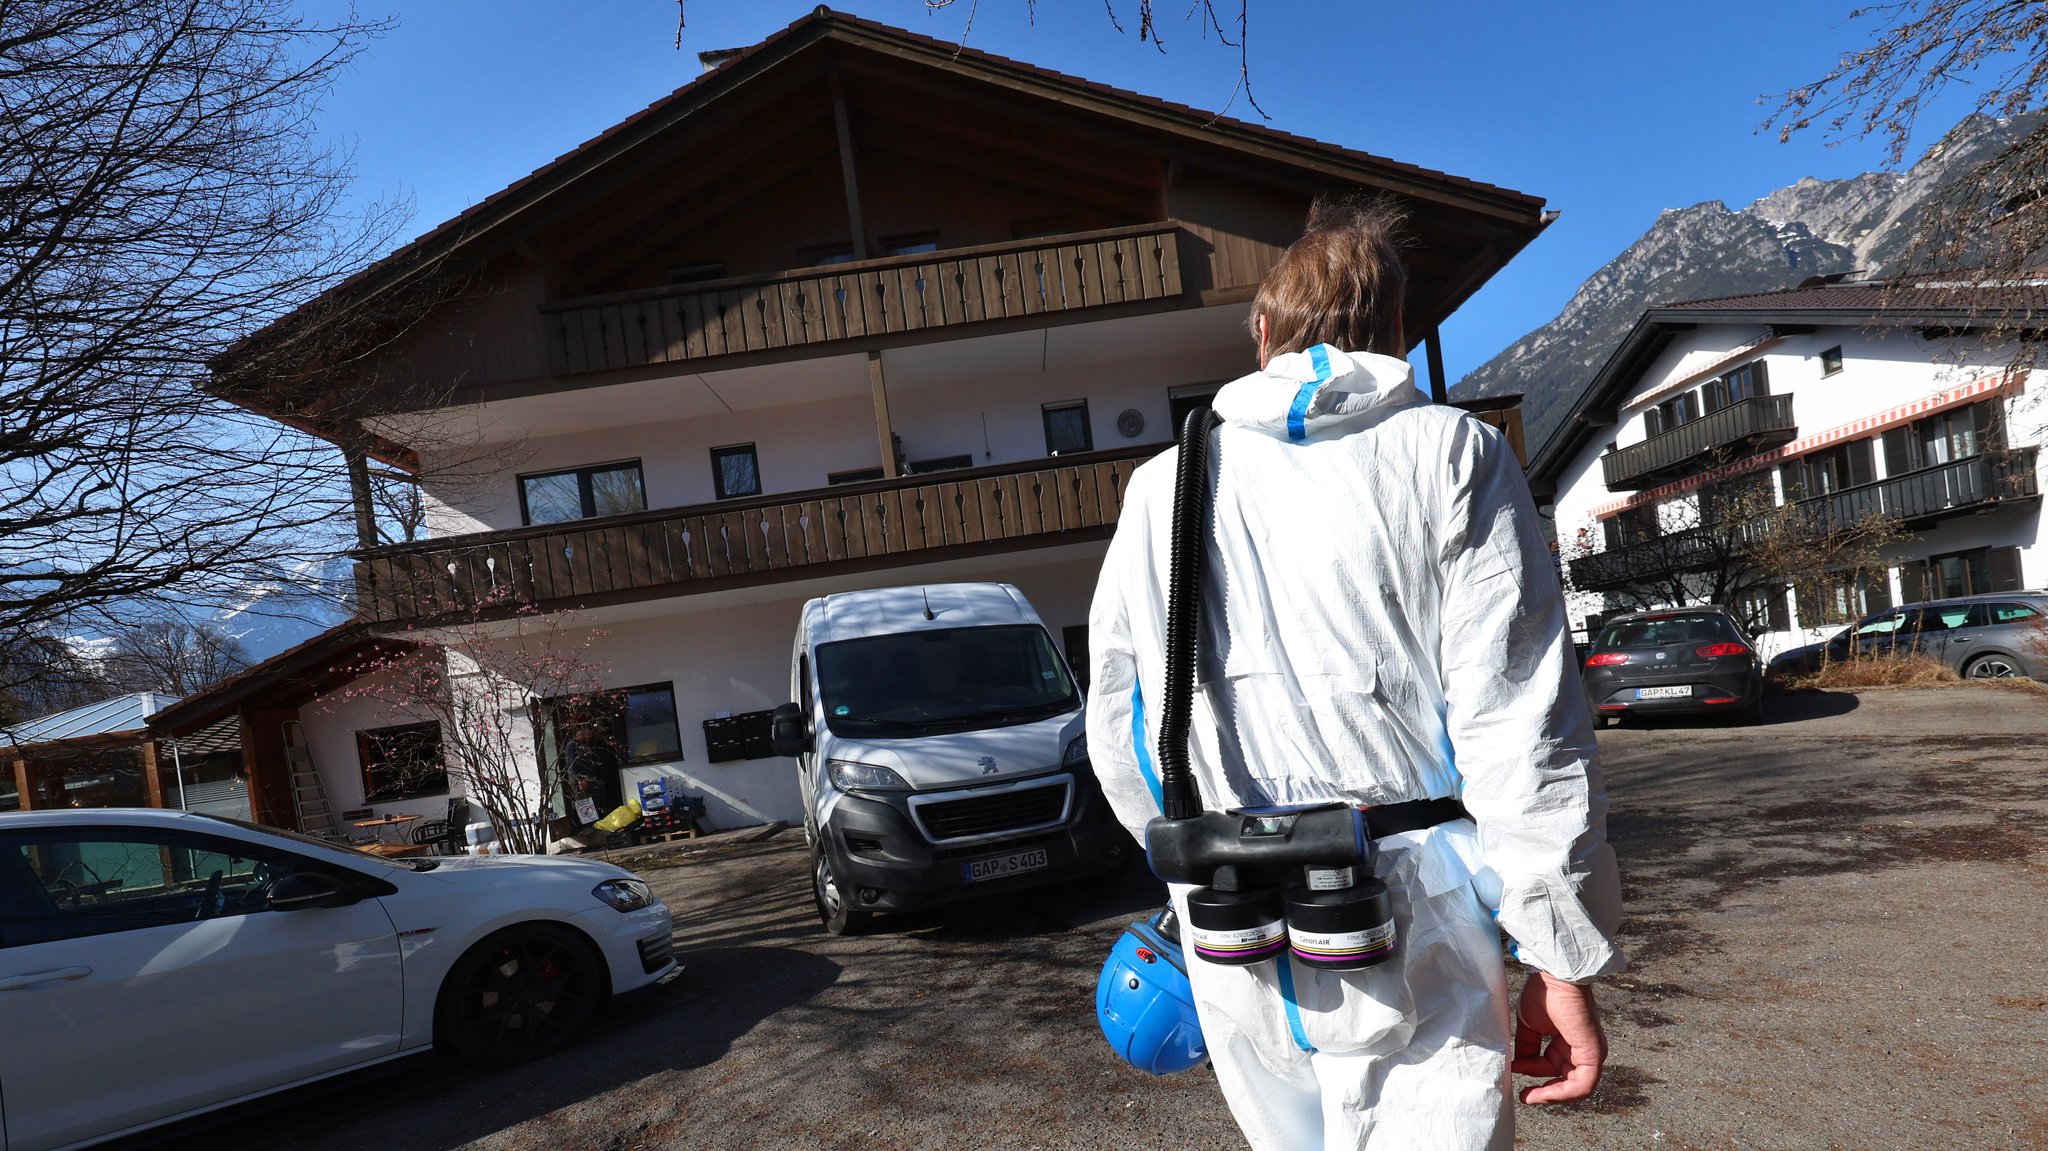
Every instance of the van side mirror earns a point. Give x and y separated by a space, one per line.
789 730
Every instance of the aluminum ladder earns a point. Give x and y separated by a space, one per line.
309 796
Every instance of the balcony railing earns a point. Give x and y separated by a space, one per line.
1961 487
871 298
1755 422
1966 485
677 551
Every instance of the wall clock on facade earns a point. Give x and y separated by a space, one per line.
1130 422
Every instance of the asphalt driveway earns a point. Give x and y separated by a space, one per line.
1836 923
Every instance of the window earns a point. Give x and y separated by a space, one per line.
1944 437
1830 470
1066 428
1632 526
1745 383
939 464
1763 610
1039 227
62 883
2009 613
735 471
1972 572
695 273
1845 596
632 725
1831 361
1679 410
1181 401
911 244
819 255
603 490
1074 639
402 762
856 476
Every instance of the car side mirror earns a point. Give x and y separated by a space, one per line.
304 889
789 730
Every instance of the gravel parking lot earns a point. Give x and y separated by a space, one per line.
1836 925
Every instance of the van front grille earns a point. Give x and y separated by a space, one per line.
994 814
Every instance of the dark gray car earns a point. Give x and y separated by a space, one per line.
1998 635
1677 660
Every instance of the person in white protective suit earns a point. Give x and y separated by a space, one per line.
1381 622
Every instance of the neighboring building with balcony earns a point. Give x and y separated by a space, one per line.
854 308
1843 400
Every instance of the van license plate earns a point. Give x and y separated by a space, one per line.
1679 692
1004 865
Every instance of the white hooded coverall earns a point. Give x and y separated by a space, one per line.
1381 622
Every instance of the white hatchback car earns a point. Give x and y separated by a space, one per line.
157 964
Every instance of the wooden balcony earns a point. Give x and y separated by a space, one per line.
1915 499
1760 421
680 551
872 298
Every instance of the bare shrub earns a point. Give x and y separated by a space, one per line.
1878 671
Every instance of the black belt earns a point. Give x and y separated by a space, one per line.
1416 814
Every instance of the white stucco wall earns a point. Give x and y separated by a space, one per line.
1882 370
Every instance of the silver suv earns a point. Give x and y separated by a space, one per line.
1997 635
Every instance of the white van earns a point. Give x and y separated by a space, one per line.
940 750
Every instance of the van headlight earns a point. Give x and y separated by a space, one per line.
850 776
1077 751
623 894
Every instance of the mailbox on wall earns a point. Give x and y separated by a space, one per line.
742 736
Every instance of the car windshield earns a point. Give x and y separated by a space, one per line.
1662 630
914 683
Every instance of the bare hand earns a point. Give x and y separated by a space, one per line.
1564 1015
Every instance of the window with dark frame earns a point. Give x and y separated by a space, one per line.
1181 401
910 244
637 723
941 464
1066 428
820 255
1831 361
401 762
697 272
582 493
735 471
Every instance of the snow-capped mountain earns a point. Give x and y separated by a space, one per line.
1814 227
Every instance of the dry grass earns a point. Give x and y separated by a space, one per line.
1877 671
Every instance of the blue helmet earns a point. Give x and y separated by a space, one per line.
1144 1003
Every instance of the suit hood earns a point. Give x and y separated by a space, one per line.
1309 395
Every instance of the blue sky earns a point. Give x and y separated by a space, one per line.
1610 111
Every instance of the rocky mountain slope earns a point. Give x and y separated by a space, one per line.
1814 227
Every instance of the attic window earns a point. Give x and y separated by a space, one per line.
1831 361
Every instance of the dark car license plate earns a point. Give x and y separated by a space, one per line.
1001 866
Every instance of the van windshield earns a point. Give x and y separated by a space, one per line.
952 679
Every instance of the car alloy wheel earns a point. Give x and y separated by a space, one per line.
520 994
1991 667
835 910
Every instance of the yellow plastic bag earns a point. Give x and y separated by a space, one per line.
621 817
